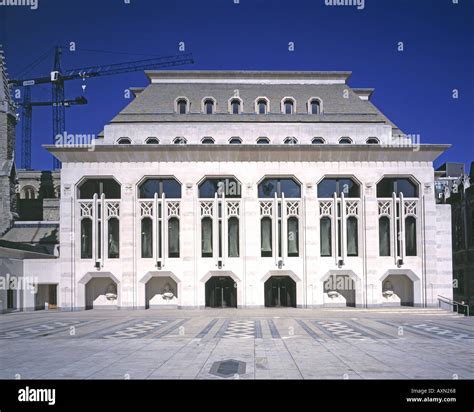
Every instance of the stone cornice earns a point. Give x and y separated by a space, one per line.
246 153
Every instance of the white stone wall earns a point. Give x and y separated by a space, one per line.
429 269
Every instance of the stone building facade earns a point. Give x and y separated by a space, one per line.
248 189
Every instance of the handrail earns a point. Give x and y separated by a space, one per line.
453 303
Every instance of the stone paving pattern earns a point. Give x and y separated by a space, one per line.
402 343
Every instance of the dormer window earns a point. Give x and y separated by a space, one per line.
209 105
207 140
288 106
182 106
262 106
235 106
180 140
235 140
263 140
124 140
314 106
345 140
291 140
318 140
152 140
372 140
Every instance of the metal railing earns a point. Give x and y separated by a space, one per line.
453 303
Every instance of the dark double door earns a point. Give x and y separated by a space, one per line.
221 292
280 291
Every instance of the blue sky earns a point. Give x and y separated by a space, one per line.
413 88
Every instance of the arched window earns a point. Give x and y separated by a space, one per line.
384 236
325 236
227 186
288 106
345 140
206 237
170 187
173 237
207 140
152 140
182 106
113 241
327 187
372 140
109 187
233 237
262 106
410 236
269 186
352 236
147 237
86 238
389 185
266 237
293 237
318 140
235 106
28 192
314 106
124 140
263 140
235 140
180 140
209 106
291 140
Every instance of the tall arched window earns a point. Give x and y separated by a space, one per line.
384 236
262 106
352 236
206 237
159 211
266 237
182 106
233 237
293 237
410 236
220 212
325 236
339 208
314 106
288 106
235 106
113 240
398 205
173 237
280 210
147 237
209 106
86 238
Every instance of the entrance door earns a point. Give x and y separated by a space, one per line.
221 292
280 291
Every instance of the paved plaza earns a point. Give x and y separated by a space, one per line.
402 343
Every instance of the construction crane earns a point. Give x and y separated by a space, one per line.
57 78
27 117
